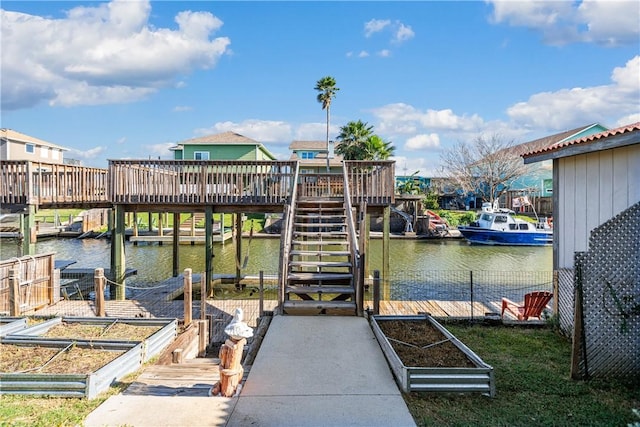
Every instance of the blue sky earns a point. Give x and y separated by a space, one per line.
128 79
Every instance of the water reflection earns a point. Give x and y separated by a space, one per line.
154 262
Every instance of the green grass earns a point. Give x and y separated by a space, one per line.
531 369
30 411
48 215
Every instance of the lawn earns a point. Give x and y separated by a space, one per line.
531 367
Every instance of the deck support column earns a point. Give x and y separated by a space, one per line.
238 234
366 239
208 247
118 261
28 231
176 242
386 243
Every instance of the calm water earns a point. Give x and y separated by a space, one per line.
154 263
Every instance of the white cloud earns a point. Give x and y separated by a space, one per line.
102 54
363 54
423 141
181 108
315 132
573 107
375 26
91 153
160 150
403 33
121 140
604 22
384 53
406 119
275 132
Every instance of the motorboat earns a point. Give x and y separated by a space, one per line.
501 227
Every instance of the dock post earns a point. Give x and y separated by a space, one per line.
118 261
98 280
28 231
208 245
176 243
376 292
238 226
188 296
386 238
14 292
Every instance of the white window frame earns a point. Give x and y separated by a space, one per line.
44 152
30 148
204 155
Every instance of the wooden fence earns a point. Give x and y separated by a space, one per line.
26 283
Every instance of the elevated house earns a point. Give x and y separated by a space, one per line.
596 197
18 146
538 182
312 156
221 146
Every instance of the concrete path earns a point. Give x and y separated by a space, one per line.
310 371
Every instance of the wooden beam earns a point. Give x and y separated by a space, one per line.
386 247
176 243
118 260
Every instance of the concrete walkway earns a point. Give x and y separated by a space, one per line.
310 371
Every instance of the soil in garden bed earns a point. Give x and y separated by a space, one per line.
112 331
16 359
418 344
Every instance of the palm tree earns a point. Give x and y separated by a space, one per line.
327 88
358 142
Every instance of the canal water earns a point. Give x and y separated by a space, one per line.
154 264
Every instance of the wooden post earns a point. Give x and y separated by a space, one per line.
28 230
160 225
14 292
376 292
386 242
203 297
98 281
118 261
261 292
202 338
187 297
238 224
208 245
176 243
231 370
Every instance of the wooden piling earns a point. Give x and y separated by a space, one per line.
188 296
14 292
99 280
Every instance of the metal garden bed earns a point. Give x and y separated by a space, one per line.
479 379
10 325
85 385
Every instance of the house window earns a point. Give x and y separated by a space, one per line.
55 154
44 152
308 155
30 148
201 155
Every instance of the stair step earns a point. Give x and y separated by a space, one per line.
324 234
302 289
307 308
314 276
319 224
320 253
320 264
321 215
319 242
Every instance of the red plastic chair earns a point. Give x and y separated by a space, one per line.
534 303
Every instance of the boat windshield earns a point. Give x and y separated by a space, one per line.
501 218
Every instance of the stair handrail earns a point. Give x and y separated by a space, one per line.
353 238
287 234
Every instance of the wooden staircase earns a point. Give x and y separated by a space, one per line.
321 273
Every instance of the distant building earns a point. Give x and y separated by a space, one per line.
312 156
222 146
18 146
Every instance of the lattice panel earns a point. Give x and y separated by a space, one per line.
565 300
611 297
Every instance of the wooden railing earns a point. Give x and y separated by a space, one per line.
200 182
187 182
354 248
26 283
371 181
38 183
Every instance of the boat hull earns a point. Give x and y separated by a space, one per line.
483 236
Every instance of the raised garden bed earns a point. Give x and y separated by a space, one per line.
10 325
79 357
424 356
